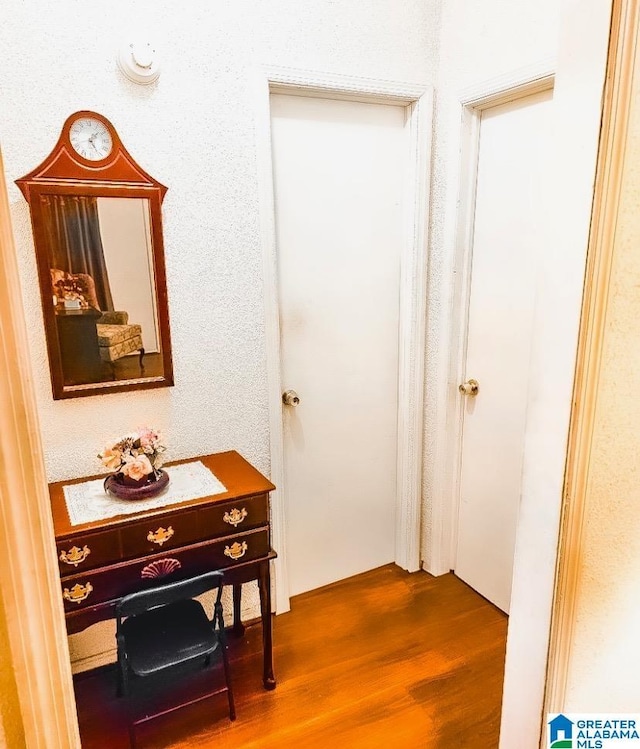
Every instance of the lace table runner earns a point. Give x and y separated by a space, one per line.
88 501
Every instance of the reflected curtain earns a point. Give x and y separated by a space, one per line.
75 243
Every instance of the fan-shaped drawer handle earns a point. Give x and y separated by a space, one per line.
236 550
75 556
161 568
160 536
235 517
78 593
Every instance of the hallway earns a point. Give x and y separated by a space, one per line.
383 659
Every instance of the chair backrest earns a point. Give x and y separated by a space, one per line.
137 603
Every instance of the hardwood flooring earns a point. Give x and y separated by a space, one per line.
128 367
383 659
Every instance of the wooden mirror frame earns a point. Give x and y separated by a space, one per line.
65 172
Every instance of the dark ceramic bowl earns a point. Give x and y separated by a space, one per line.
146 488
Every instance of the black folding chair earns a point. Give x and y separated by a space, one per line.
163 627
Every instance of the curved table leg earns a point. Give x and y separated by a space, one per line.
264 584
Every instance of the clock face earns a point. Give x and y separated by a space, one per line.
90 138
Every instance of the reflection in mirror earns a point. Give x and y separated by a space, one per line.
97 230
102 285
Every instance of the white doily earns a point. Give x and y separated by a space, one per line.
88 501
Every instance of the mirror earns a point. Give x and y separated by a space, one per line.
98 239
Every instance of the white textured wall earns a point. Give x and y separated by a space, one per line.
605 657
479 42
194 132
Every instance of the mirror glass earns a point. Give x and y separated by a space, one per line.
100 262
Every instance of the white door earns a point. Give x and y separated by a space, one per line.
513 175
339 174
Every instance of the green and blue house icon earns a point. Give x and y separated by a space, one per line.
560 733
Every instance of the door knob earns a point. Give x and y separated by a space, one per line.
290 398
470 388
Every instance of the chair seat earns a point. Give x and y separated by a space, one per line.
112 335
112 353
167 636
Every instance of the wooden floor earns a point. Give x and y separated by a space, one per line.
128 367
384 659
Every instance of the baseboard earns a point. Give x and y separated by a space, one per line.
96 660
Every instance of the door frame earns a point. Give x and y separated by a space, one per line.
446 470
618 96
29 580
418 101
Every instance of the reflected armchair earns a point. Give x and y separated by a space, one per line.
116 336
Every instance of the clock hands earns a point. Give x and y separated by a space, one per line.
93 145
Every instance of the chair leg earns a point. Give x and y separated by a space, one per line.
122 687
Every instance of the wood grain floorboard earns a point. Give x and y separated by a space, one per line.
383 659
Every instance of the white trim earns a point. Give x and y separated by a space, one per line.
412 340
577 108
418 100
272 339
331 86
500 89
445 466
618 99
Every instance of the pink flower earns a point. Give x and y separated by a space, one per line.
147 438
136 467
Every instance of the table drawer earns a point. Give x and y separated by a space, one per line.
156 535
107 583
235 517
87 551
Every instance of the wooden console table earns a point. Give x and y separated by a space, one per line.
101 561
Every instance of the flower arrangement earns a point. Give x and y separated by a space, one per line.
136 455
70 288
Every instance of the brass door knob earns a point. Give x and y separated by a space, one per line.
470 388
290 398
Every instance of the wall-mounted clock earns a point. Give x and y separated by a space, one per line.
90 138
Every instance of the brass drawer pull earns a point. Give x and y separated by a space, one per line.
75 555
235 517
160 536
78 593
236 550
